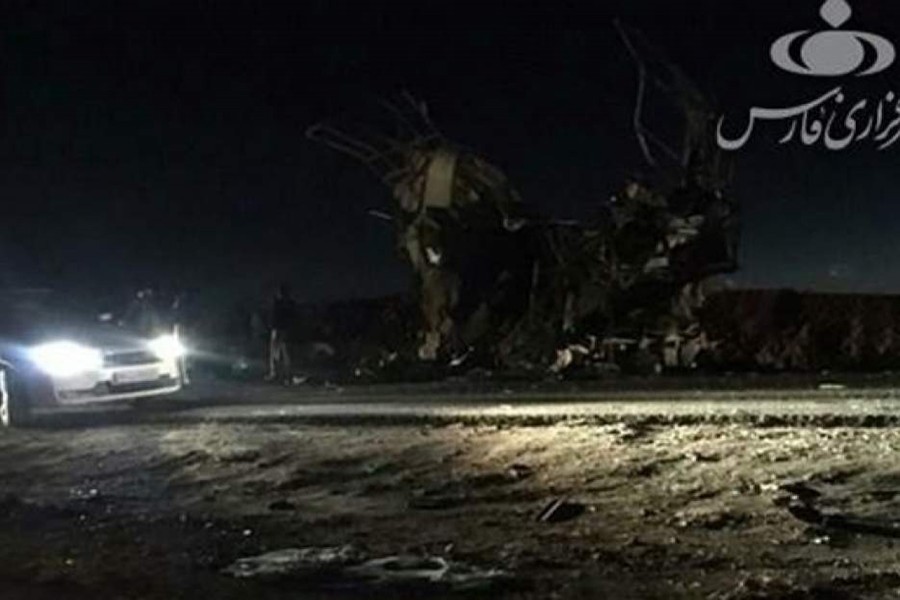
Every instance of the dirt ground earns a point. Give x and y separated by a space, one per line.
704 511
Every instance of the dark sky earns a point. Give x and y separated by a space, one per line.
164 141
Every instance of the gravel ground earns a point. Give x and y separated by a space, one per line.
146 506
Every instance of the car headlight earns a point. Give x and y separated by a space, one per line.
64 358
167 347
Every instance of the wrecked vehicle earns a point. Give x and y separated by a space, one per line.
505 287
54 356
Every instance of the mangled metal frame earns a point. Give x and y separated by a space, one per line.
516 289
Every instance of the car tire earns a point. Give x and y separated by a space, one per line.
15 408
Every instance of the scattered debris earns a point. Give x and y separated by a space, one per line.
433 570
346 565
801 491
295 561
87 493
500 285
518 472
561 510
586 557
699 457
713 520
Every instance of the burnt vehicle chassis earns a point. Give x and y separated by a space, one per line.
501 286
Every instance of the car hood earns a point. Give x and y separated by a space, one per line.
104 337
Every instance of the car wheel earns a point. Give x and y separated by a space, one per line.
14 407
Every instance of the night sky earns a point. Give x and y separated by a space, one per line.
163 143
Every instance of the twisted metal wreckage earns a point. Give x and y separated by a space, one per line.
499 285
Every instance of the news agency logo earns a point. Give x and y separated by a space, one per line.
830 119
833 53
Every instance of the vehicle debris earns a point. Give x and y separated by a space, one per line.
705 519
561 510
433 570
346 565
521 290
636 289
295 561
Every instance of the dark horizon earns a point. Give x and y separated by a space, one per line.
164 143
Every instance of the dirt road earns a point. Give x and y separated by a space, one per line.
768 401
156 503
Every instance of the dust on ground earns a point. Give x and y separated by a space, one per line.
699 511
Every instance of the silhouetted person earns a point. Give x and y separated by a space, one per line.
143 316
284 314
177 325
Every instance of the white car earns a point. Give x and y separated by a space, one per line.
50 359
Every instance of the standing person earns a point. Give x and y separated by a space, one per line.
284 313
142 314
177 318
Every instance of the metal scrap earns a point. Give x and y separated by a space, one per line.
431 570
497 280
295 561
560 510
344 565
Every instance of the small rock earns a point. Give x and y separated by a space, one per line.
801 491
518 472
698 457
832 387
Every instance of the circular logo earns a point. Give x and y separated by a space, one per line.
835 52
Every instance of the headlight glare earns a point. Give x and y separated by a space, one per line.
167 347
65 358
